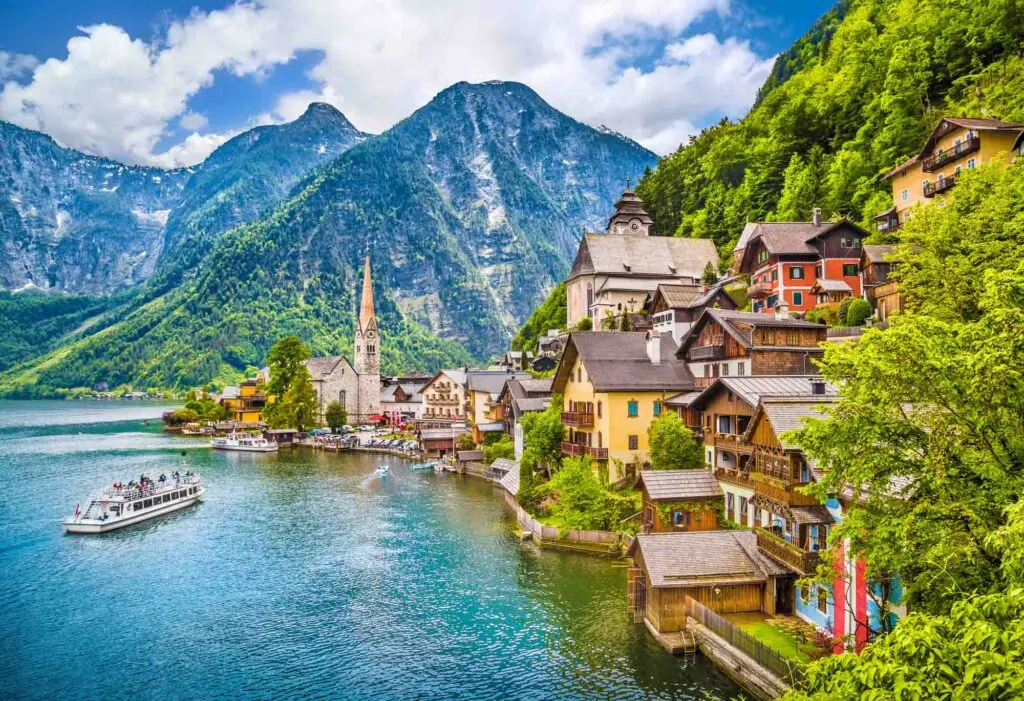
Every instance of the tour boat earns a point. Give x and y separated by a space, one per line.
382 471
245 443
117 507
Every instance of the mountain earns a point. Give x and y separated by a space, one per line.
78 223
470 208
850 100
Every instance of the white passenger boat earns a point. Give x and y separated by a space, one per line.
382 471
116 507
244 442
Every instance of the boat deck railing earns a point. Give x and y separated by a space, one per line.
136 492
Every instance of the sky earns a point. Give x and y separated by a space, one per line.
164 82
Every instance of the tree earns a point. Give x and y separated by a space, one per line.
297 407
585 324
183 416
335 415
502 448
627 322
543 434
673 447
844 311
464 442
710 275
858 313
286 362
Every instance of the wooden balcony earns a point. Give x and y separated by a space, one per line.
740 479
733 442
577 418
707 352
786 553
937 160
939 186
780 491
578 449
759 290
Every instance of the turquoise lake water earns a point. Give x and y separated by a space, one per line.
299 575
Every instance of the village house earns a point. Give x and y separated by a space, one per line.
245 401
882 293
551 343
725 343
679 500
483 410
402 398
613 385
517 398
786 259
517 360
956 143
723 570
444 395
614 272
673 309
357 387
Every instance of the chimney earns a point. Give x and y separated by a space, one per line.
816 216
818 386
781 310
654 347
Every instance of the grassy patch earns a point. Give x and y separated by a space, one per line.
779 640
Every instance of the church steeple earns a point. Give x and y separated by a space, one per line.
630 216
367 339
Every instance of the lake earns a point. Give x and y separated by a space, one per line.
298 575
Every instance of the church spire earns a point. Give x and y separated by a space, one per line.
366 308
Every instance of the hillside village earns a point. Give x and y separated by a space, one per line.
731 533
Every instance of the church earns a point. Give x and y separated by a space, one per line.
356 387
616 271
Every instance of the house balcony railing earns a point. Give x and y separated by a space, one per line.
707 352
968 145
444 401
732 441
888 225
579 449
578 418
760 290
733 476
786 553
933 189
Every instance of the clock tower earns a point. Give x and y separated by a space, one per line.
630 218
367 356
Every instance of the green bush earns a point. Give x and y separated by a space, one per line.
585 324
844 310
501 448
858 313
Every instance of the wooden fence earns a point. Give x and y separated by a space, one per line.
788 670
549 535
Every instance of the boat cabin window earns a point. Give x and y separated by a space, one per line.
147 503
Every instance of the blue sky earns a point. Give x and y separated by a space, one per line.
167 81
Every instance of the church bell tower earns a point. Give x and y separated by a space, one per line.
367 356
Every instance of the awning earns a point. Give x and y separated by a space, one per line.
378 417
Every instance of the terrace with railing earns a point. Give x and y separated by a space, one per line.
580 449
931 189
788 554
578 418
716 352
759 290
941 158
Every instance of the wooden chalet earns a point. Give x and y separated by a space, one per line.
680 500
675 308
723 570
876 264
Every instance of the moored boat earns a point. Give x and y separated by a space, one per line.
124 505
422 467
244 442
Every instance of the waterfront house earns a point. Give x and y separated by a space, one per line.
444 395
786 259
882 293
956 144
724 343
520 397
402 398
245 401
680 500
613 385
674 309
723 570
517 360
483 410
614 272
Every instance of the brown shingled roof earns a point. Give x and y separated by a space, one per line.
700 558
680 484
732 322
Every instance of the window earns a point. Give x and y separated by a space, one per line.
743 507
741 369
634 443
792 338
599 410
905 194
707 371
971 163
956 171
147 503
725 369
805 593
167 498
681 519
775 275
657 408
632 408
822 599
844 243
850 270
772 300
579 374
798 298
796 273
728 503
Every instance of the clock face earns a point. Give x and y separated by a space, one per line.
634 225
369 334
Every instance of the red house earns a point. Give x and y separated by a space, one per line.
785 259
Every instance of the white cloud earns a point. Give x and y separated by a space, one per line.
118 96
16 65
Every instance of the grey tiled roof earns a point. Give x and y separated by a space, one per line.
504 465
469 455
877 254
700 558
680 484
662 256
679 296
491 381
831 285
511 481
320 367
788 413
618 361
752 387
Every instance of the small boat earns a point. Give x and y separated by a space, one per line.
117 507
382 471
422 467
439 467
245 443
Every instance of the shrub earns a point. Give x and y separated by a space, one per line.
672 445
585 324
464 442
502 448
844 309
858 313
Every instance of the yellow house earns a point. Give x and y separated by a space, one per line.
955 144
482 408
245 401
614 385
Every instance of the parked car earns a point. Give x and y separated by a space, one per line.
366 427
347 429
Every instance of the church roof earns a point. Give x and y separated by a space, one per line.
322 367
366 313
629 207
643 256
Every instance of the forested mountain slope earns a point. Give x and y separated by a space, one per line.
849 101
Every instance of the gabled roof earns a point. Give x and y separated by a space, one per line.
677 296
491 381
739 326
702 558
827 285
945 125
788 414
792 238
643 256
456 375
412 391
751 388
322 367
680 484
877 254
504 465
617 361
